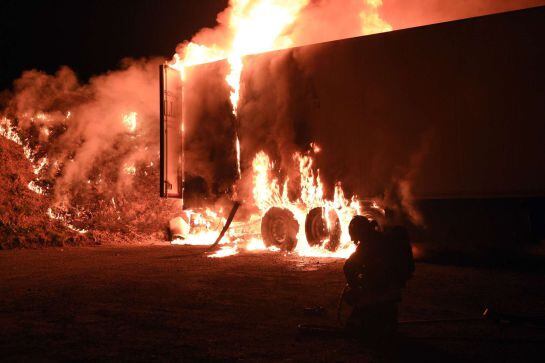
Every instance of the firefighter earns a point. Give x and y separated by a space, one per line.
376 274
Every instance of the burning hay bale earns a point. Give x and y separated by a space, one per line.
81 158
23 216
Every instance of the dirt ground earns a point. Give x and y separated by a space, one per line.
167 303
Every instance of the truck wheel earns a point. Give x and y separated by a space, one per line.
317 231
279 228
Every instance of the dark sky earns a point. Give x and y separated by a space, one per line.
92 36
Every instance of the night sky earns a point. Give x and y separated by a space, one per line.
92 36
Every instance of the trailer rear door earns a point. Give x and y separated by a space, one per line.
172 165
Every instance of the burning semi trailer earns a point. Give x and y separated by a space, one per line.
276 214
384 125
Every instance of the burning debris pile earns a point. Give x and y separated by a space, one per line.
23 217
91 155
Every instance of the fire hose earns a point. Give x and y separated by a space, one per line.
228 222
236 204
226 226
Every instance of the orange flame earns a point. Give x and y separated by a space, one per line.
9 131
268 193
372 22
258 27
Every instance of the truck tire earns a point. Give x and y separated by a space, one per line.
279 228
317 231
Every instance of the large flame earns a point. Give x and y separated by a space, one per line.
372 22
258 27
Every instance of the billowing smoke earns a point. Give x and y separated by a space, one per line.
399 195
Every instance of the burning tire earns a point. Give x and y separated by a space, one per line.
319 232
279 228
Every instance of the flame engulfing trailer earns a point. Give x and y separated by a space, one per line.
455 112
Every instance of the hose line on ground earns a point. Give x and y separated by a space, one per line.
228 222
